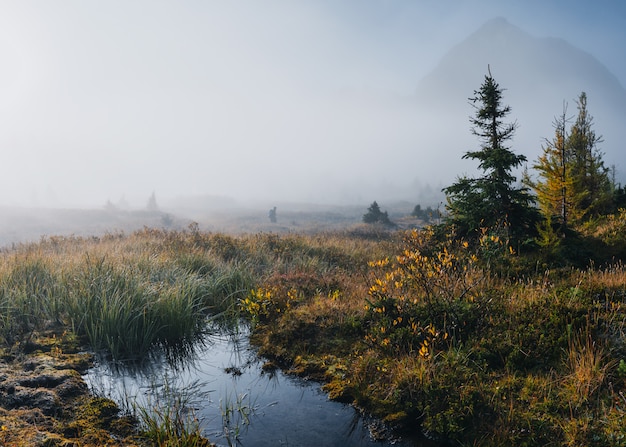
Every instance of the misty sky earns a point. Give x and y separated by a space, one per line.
259 99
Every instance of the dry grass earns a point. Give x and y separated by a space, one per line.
587 368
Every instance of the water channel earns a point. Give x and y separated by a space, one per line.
237 403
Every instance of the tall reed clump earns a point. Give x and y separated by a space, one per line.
29 297
128 312
587 367
126 295
110 307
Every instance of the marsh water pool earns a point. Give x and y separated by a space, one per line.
223 385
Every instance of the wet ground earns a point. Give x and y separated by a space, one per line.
238 402
44 400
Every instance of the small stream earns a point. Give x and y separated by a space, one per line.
225 388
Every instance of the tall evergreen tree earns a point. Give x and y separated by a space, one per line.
592 188
554 188
492 199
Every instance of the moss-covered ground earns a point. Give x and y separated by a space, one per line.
44 401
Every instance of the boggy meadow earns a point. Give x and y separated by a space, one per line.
466 341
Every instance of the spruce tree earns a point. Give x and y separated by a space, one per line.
493 199
375 215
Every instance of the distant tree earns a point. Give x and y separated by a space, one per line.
426 215
375 215
272 215
492 199
109 206
122 204
167 220
619 197
152 203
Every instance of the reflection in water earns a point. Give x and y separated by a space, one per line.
223 384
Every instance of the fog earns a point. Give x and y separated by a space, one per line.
308 101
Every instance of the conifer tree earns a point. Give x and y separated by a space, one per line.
152 203
592 189
573 185
375 215
492 199
554 189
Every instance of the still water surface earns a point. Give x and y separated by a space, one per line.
239 404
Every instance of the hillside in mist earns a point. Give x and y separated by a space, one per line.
538 75
535 71
274 121
430 132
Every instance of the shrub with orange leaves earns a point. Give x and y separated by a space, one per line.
430 284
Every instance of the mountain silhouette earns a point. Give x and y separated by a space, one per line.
544 71
538 75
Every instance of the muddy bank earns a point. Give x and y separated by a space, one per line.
45 402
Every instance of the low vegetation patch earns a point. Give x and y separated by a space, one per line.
464 340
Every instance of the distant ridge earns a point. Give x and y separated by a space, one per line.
549 70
